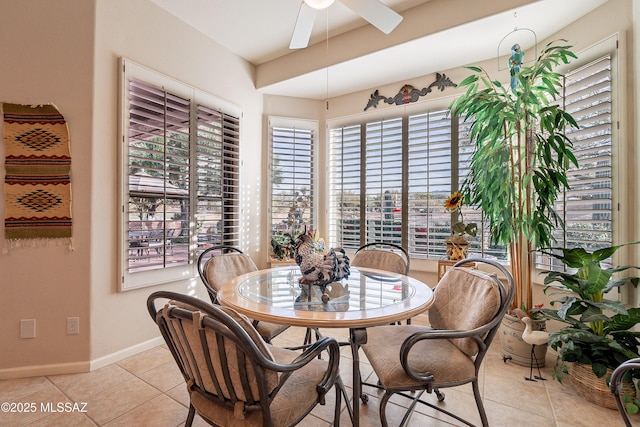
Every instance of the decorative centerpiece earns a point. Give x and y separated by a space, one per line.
319 268
458 243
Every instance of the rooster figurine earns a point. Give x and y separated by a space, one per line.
320 269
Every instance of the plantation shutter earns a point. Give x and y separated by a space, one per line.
383 181
430 182
292 178
588 203
344 185
218 192
158 175
180 187
587 206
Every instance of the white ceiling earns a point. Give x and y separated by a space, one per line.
260 30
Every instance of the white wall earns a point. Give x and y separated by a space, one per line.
46 50
120 320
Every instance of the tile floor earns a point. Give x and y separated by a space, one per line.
148 390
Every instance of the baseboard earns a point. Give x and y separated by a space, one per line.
42 370
77 367
124 353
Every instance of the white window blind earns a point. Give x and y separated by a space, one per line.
383 181
180 183
430 182
218 193
158 176
411 164
587 206
344 183
292 176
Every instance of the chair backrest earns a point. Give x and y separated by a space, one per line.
466 299
219 353
219 264
382 256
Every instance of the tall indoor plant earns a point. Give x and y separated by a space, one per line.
521 157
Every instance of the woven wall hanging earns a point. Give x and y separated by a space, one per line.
37 183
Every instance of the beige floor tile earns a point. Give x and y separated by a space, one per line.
119 400
516 392
164 377
32 407
161 411
146 360
64 419
86 385
16 388
180 394
501 415
578 412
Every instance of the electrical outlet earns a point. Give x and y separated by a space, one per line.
28 328
73 325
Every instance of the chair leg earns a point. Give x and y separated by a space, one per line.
336 414
192 413
383 408
476 394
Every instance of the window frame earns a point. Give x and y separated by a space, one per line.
293 125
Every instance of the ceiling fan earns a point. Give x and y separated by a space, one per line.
378 14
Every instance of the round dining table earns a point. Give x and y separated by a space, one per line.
367 298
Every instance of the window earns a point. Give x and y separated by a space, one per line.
587 205
379 170
292 166
180 177
400 170
344 186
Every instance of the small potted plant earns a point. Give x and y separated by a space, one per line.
458 243
599 335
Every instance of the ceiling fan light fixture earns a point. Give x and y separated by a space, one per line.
319 4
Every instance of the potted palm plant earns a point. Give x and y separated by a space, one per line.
519 164
598 336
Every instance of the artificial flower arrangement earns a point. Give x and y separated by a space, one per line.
459 229
457 242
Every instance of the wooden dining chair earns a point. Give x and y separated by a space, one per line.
468 308
219 264
233 377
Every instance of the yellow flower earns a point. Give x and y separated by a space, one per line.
454 201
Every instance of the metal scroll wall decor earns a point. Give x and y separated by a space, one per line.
409 94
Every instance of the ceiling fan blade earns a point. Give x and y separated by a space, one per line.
378 14
304 25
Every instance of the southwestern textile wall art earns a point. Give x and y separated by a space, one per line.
37 184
